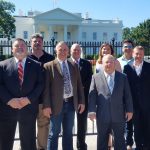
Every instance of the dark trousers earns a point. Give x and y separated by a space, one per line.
104 130
141 120
129 132
81 130
27 131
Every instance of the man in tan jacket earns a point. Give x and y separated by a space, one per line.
62 96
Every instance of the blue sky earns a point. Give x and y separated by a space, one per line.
131 12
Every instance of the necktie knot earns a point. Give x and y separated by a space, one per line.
77 62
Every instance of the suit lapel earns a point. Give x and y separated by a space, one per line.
104 80
71 71
27 67
58 67
116 79
81 64
143 70
14 70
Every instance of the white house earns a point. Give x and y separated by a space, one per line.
62 25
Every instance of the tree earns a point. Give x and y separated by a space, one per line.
7 21
126 33
139 34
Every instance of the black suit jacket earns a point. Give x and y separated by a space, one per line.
85 68
10 88
140 86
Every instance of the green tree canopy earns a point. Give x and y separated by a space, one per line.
7 21
139 34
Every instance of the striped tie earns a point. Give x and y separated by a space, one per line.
20 72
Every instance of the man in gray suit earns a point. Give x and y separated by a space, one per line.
110 103
62 96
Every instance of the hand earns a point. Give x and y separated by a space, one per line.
14 103
92 116
47 112
129 116
24 101
81 108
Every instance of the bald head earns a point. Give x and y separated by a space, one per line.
108 57
108 63
75 51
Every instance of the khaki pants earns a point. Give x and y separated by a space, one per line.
42 129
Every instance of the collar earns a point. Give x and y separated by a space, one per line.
140 65
124 59
75 60
60 61
112 74
23 60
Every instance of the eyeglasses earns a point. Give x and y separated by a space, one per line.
128 46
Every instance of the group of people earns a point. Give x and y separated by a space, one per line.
38 87
119 98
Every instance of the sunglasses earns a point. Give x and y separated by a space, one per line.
128 46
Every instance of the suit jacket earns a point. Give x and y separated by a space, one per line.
54 86
140 86
85 69
110 107
32 85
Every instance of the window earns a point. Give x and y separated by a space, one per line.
94 36
84 35
25 34
105 36
68 36
116 36
55 35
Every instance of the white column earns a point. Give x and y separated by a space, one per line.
35 28
65 33
50 32
79 34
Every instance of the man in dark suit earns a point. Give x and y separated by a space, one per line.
43 57
127 48
85 68
110 102
62 96
21 83
138 73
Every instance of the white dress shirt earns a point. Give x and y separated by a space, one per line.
138 68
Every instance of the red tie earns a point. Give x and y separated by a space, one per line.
20 72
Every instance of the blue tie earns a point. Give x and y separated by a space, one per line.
67 86
110 83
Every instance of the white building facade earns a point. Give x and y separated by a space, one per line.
62 25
